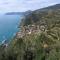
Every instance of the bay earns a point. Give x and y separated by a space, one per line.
8 26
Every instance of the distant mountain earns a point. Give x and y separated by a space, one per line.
18 13
27 12
14 13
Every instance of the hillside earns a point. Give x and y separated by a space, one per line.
38 38
51 13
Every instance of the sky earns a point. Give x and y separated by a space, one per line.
24 5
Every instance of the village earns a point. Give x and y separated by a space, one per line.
27 30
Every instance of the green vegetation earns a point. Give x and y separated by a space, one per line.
45 45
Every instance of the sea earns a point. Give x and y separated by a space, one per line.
9 26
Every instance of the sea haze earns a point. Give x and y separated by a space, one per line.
8 26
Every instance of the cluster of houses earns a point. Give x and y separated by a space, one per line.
30 29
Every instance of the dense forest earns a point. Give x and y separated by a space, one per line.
41 45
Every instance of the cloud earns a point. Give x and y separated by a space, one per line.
23 5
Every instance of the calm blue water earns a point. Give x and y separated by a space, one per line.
8 26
